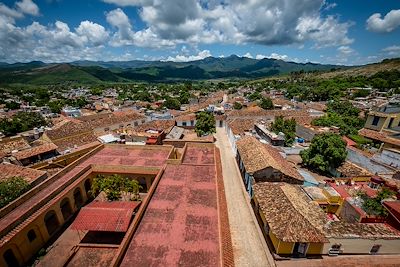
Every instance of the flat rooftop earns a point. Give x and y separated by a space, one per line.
182 223
110 155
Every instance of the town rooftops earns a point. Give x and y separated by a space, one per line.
185 222
113 216
175 133
187 117
348 169
379 136
241 125
11 170
291 216
257 156
34 151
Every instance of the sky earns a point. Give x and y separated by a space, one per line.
345 32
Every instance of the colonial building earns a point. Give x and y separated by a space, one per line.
263 163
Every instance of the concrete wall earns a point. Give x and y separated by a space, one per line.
363 245
359 159
381 123
388 157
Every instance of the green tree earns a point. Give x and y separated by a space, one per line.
205 123
373 206
11 189
172 103
21 122
237 105
12 105
288 127
326 151
266 103
114 185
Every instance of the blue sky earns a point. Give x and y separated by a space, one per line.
339 32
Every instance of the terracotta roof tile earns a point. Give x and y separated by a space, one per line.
380 136
11 170
291 216
257 156
34 151
241 125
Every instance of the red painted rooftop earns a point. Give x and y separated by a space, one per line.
109 155
394 207
180 227
345 189
112 216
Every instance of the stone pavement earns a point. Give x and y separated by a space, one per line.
249 246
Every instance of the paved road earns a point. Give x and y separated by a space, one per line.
249 245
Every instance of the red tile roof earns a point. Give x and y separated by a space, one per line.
112 216
257 156
393 207
34 151
380 136
11 170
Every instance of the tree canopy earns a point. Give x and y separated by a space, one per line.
21 122
326 151
172 103
288 127
266 103
373 206
341 114
205 123
11 189
114 185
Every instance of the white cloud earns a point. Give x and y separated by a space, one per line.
183 58
393 50
248 55
233 21
386 24
345 50
93 32
278 56
28 7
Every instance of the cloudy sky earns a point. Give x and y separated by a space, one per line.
347 32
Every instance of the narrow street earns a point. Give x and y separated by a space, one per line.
249 245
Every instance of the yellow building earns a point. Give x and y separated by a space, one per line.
289 219
385 118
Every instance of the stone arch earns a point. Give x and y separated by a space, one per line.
78 199
10 258
88 186
66 210
51 222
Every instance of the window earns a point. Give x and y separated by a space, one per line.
390 122
375 120
375 249
184 123
335 249
31 235
192 123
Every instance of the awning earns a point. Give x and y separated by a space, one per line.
113 216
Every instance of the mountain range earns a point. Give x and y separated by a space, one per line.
89 72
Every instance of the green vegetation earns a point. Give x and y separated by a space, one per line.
237 105
172 103
266 103
360 140
341 114
11 189
21 122
327 151
12 105
373 206
205 123
114 185
288 127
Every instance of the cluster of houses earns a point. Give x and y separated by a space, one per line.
301 213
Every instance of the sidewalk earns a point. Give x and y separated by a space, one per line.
250 248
